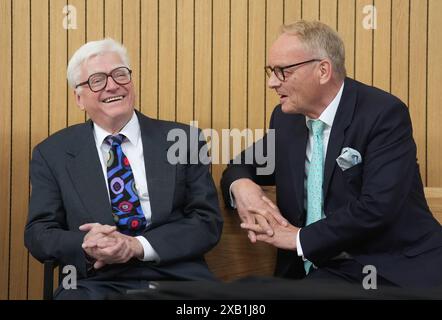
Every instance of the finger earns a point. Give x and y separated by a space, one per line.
99 264
106 242
264 238
252 227
87 226
252 236
275 212
264 225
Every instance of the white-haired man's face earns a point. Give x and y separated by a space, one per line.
112 107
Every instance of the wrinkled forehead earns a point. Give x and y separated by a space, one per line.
101 62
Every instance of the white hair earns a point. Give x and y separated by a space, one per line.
89 50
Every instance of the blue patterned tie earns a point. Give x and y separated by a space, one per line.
314 179
126 209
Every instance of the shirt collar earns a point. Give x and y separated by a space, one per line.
131 131
328 115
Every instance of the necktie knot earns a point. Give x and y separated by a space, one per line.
317 127
115 140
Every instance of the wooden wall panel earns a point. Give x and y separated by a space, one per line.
292 10
399 52
167 59
257 81
57 67
434 80
382 46
20 147
221 89
275 17
347 30
185 61
76 38
5 143
195 60
131 40
149 65
417 79
39 112
203 63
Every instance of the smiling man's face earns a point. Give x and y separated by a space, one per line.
112 107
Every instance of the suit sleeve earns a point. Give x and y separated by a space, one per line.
247 165
390 153
46 235
195 227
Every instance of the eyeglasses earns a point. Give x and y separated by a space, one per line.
98 81
279 71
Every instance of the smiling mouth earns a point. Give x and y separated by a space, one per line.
112 99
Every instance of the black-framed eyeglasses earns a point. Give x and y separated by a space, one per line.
98 81
279 71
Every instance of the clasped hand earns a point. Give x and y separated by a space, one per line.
108 246
261 218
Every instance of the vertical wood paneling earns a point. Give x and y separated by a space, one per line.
131 40
310 10
238 71
5 143
221 76
292 11
57 64
203 63
329 13
417 78
257 61
20 147
76 38
346 29
166 59
434 119
113 23
94 19
382 45
275 16
185 61
149 58
399 52
363 45
193 60
39 112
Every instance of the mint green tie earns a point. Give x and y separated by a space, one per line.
314 179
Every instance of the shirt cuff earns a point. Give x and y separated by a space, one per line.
149 252
298 246
232 198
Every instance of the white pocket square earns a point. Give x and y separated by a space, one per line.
349 157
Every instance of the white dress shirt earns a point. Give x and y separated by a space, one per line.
133 149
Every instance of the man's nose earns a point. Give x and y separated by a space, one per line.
111 84
273 81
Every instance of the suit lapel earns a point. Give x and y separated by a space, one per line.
297 158
86 174
343 118
160 174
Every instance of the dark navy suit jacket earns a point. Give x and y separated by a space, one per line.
376 211
68 190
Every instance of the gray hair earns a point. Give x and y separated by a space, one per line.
89 50
319 38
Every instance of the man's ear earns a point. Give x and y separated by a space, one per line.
78 100
325 71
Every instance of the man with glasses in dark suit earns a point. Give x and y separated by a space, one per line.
105 197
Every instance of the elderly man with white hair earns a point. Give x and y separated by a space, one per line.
106 200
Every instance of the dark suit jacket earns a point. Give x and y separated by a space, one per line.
68 190
376 211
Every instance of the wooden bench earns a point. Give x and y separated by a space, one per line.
235 257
